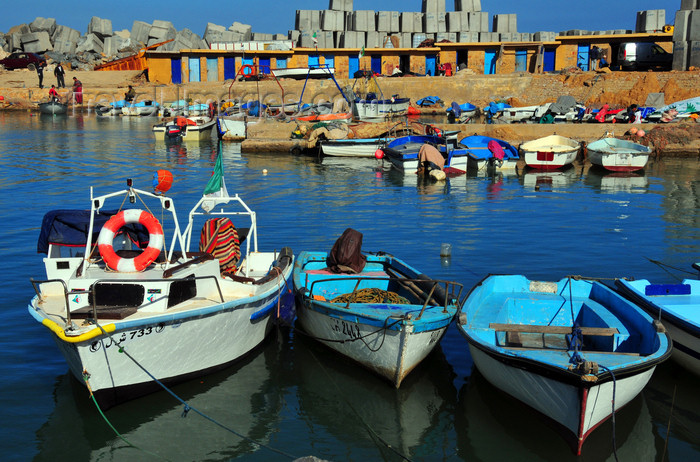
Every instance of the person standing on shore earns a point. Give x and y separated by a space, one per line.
40 72
59 73
78 90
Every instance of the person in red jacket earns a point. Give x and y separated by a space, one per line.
53 94
78 90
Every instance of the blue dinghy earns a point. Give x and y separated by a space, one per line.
678 307
568 349
403 152
489 153
387 317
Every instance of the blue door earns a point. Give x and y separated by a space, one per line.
353 66
176 70
490 61
548 63
520 60
314 61
229 68
212 69
195 75
582 61
264 64
329 61
376 64
430 64
281 63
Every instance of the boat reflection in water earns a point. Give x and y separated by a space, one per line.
610 182
549 180
343 401
492 425
246 399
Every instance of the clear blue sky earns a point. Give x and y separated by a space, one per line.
277 16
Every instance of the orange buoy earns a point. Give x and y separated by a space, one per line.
162 181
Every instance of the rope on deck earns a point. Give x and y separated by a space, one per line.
371 295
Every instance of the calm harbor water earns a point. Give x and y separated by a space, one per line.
294 397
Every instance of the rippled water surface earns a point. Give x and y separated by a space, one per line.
293 397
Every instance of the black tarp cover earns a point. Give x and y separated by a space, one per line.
70 228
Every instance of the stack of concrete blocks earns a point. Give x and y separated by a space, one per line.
507 26
139 32
650 21
65 39
435 19
185 40
544 36
686 36
410 23
388 21
36 38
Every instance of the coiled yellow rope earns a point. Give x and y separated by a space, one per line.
371 295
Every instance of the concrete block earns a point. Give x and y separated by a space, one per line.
433 6
162 31
20 29
430 23
354 39
261 37
660 19
36 42
505 23
308 20
100 27
680 28
406 22
467 5
388 21
479 21
43 24
650 21
418 39
454 21
693 55
294 35
112 44
90 43
544 36
507 37
489 37
332 20
373 40
139 31
693 31
14 42
364 21
340 5
639 22
406 40
124 33
65 39
689 4
681 52
246 30
468 37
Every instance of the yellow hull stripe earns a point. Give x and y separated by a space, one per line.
53 327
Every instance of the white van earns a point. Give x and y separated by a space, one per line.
637 56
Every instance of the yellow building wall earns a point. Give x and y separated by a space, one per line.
417 64
159 71
475 60
566 56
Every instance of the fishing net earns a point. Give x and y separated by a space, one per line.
372 295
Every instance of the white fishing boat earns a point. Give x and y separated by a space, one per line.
550 153
142 108
369 109
387 316
361 147
301 73
128 320
573 350
618 155
233 128
522 114
185 128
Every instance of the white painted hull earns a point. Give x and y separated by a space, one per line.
234 129
338 149
201 131
686 349
618 162
140 111
390 353
549 153
576 410
486 164
380 109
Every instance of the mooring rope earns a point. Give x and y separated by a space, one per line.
187 407
663 266
614 442
369 429
371 295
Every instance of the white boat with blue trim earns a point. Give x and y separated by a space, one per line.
387 317
128 320
574 350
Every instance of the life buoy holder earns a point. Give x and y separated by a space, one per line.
114 224
247 70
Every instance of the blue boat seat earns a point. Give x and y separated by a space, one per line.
594 315
667 289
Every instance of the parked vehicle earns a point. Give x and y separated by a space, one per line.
636 56
21 60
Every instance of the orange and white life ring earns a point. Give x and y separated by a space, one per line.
247 70
114 224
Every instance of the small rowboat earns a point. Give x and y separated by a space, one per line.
568 349
53 107
194 128
678 307
486 153
388 317
550 153
618 155
355 147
